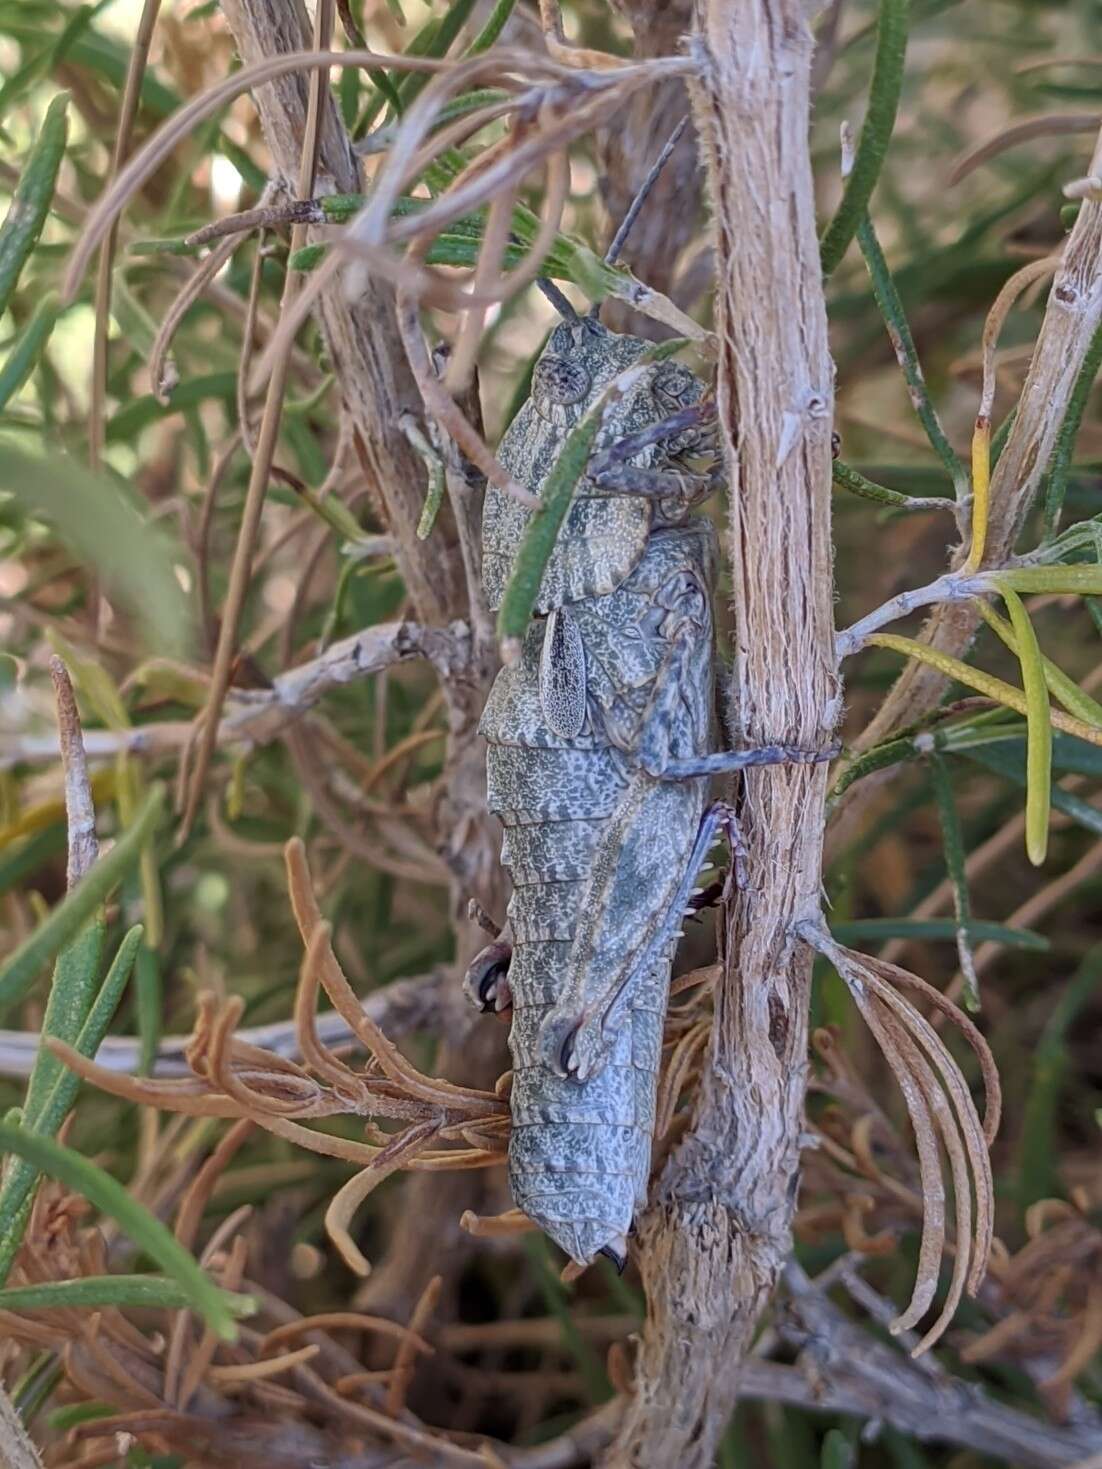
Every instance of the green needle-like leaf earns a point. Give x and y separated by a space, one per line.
887 83
1038 796
19 970
555 500
99 1188
94 1291
31 201
52 1089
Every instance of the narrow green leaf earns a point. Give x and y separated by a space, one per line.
140 412
148 1233
848 478
134 321
1065 690
308 258
881 757
434 498
982 682
334 512
493 27
102 526
33 194
952 839
544 526
1038 797
837 1451
149 1007
879 930
1065 580
18 971
19 83
52 1090
437 44
37 1385
1008 760
390 90
93 1291
884 91
1037 1173
75 979
26 350
899 330
62 1419
173 246
555 499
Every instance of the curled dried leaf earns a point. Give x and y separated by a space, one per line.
940 1107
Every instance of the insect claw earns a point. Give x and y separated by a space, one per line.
486 982
619 1260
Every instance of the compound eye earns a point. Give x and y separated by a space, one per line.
558 382
673 385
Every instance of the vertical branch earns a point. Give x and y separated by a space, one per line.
378 389
718 1229
362 338
1073 316
263 451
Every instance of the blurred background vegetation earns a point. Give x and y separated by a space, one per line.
122 569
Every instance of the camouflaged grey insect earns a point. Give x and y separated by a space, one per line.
614 682
597 768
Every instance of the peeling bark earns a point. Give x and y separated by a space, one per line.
718 1229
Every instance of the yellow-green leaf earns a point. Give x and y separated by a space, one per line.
1062 688
1038 794
983 683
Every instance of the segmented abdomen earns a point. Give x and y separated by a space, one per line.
579 1155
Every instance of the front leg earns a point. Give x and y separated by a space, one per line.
685 436
657 484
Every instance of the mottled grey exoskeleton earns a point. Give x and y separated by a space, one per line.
597 768
614 683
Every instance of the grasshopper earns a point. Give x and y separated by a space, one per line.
600 741
600 747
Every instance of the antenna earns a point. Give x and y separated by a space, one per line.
644 190
561 304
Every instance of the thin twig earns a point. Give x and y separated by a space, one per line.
257 716
128 111
162 381
240 572
80 811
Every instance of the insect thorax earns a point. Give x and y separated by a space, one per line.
605 531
